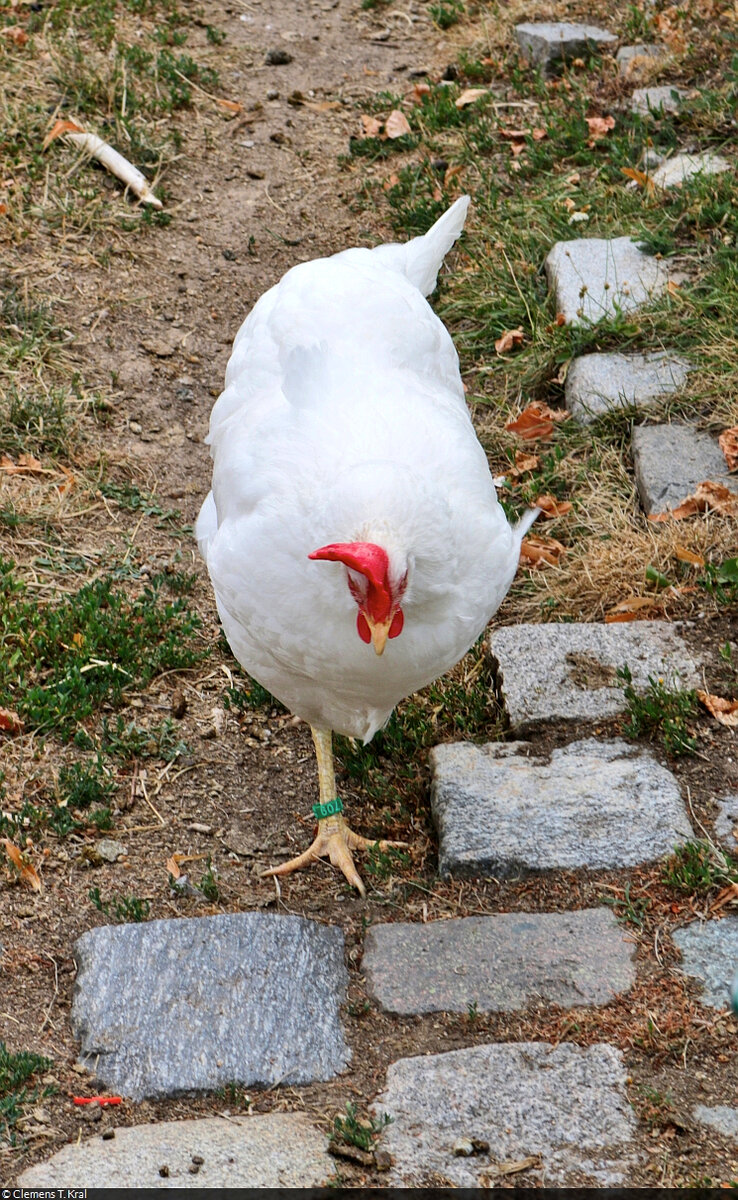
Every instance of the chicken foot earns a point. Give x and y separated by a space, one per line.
334 838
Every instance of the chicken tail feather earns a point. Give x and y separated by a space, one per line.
524 524
420 259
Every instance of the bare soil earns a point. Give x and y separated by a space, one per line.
253 194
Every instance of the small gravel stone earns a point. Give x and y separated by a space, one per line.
550 44
658 101
277 57
683 167
109 850
599 383
501 810
726 823
671 460
710 953
594 278
720 1117
643 54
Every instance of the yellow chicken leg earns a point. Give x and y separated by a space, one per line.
334 838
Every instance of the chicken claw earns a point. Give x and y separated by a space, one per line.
336 840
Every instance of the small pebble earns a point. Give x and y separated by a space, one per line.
108 1135
382 1160
277 58
198 1159
179 704
135 427
193 1168
164 1171
92 1112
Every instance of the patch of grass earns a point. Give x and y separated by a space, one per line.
720 580
123 909
631 910
67 807
35 422
381 864
208 884
253 696
662 711
128 741
59 663
357 1131
446 13
16 1070
698 867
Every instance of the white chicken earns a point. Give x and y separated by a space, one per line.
353 534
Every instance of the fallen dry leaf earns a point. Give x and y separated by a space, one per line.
640 177
321 106
396 125
509 339
706 496
536 421
178 860
14 33
540 551
10 722
26 465
390 182
470 96
688 556
371 126
230 105
599 127
419 92
551 507
27 871
728 443
526 462
724 711
633 608
451 174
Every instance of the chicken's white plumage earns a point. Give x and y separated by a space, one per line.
343 420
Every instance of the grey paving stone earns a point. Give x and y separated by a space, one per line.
710 954
726 824
565 1103
172 1006
630 58
550 44
499 963
595 278
599 383
273 1150
671 460
501 810
721 1117
568 672
655 101
681 167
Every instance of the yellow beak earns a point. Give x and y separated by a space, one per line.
380 632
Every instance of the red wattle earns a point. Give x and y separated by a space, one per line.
362 626
398 621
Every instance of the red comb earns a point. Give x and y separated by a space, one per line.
365 557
